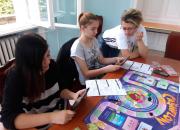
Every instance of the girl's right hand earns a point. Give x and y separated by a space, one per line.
111 68
61 117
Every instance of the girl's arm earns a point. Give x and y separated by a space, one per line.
24 120
142 49
93 73
67 94
127 53
112 60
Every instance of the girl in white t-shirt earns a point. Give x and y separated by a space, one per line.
85 50
129 37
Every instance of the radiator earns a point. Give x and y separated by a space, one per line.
157 40
7 48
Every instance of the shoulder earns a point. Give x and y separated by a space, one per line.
76 47
112 32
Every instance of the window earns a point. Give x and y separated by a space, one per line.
60 13
46 13
7 12
43 10
65 13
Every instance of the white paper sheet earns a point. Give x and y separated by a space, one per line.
136 66
127 64
105 87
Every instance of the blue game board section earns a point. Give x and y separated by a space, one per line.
111 117
151 103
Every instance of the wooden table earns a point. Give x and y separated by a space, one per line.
89 103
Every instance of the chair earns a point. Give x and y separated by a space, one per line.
67 69
100 19
173 46
3 73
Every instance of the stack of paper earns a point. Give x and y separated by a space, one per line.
104 87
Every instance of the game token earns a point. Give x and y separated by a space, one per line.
150 113
92 126
77 128
149 99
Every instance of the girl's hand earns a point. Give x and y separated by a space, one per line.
61 117
78 94
139 36
119 60
111 68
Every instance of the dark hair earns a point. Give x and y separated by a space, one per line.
86 17
133 16
29 53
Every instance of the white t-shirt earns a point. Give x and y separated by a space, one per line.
116 38
89 55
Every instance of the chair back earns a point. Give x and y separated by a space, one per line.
173 46
66 66
100 19
3 73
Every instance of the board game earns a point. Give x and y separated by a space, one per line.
151 103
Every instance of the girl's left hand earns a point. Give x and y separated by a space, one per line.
119 60
78 94
139 36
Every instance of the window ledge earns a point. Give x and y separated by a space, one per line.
66 25
15 28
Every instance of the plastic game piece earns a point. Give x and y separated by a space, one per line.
100 124
92 126
149 94
77 128
149 98
150 113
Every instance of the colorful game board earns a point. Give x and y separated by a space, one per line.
151 103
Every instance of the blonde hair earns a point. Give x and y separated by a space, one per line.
85 18
133 16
